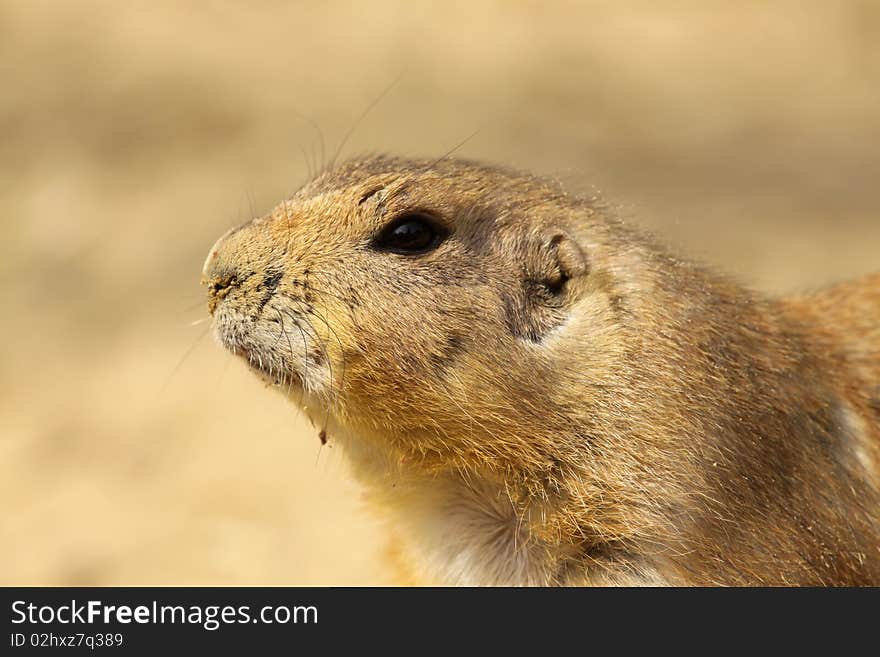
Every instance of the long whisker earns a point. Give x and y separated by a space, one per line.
250 200
452 150
305 358
321 141
326 354
322 346
334 394
346 302
200 304
289 346
311 331
307 161
362 117
316 314
311 287
318 273
183 358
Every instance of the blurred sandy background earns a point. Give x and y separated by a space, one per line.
132 134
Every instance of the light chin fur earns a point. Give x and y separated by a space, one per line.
448 529
254 344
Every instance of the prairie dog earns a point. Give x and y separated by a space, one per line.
535 393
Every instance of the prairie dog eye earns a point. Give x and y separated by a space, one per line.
411 234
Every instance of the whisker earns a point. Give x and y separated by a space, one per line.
326 354
305 356
289 346
313 273
452 150
200 304
309 308
307 162
341 381
310 287
321 444
183 358
315 313
219 379
322 346
362 117
250 201
321 141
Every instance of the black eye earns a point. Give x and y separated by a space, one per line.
411 234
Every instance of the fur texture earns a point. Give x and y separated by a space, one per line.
549 397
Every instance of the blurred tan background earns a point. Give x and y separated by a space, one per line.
132 134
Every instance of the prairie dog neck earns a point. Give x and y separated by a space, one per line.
448 530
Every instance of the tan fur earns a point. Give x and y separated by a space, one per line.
549 397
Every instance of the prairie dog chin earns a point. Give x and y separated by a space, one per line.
535 393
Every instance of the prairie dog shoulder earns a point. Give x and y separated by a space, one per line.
536 393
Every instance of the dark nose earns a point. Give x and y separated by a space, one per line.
218 288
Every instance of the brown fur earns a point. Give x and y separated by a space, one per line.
552 398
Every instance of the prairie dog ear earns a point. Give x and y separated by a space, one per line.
555 260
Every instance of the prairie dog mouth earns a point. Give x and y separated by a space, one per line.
266 368
281 355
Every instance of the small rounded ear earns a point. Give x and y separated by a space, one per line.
557 260
552 260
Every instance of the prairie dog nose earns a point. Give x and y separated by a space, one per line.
218 288
209 269
218 273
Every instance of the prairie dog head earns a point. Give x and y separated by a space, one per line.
431 306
